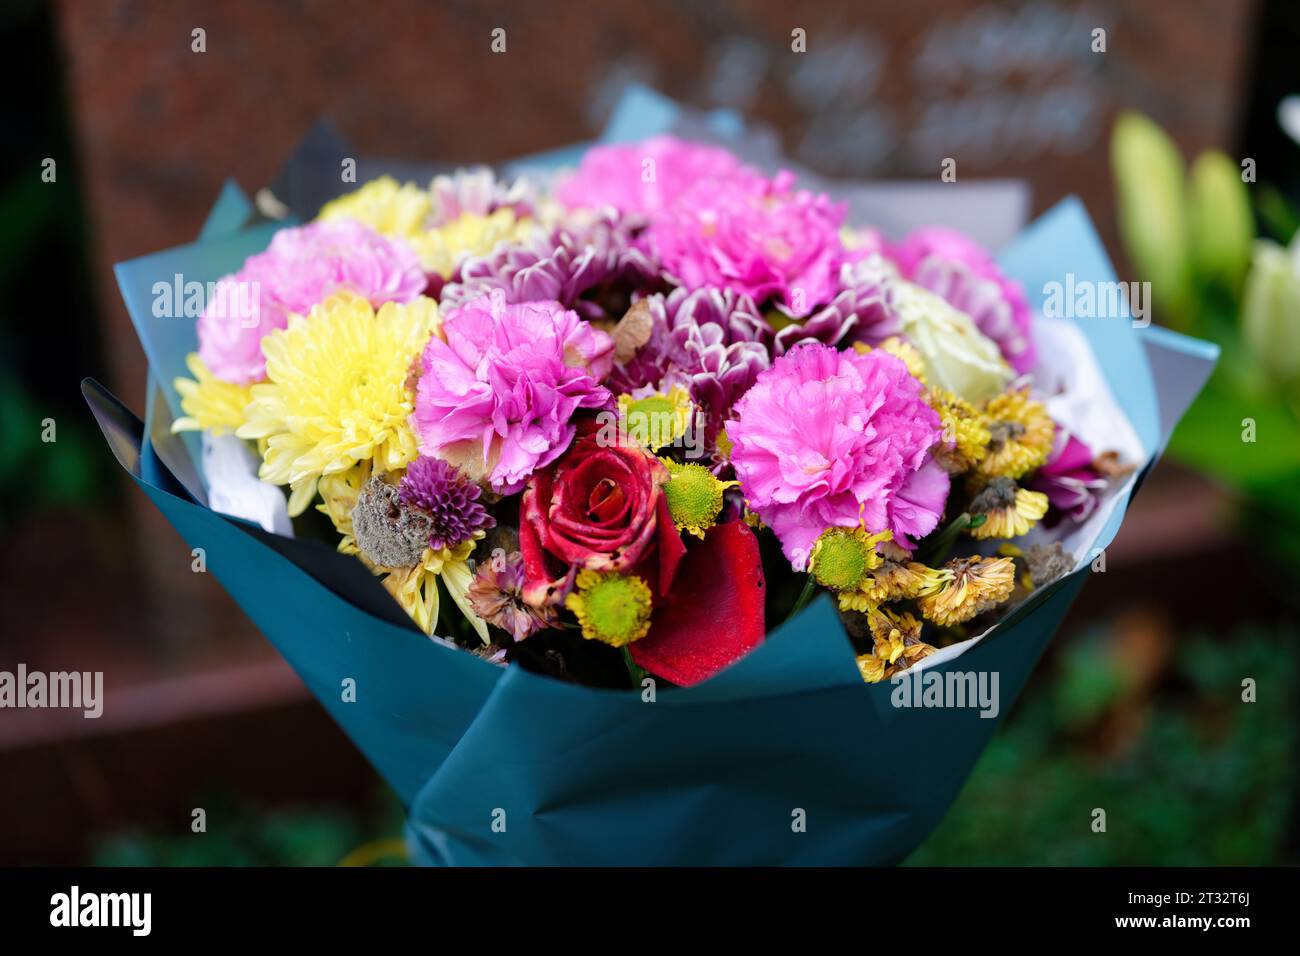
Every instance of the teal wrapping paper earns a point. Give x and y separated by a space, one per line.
786 757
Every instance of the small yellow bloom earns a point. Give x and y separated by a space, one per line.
386 207
974 585
897 645
337 392
1009 510
441 250
842 559
210 404
657 420
612 608
893 581
965 434
1021 435
694 496
902 350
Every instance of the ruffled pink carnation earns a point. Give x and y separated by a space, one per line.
963 273
645 178
302 267
497 398
830 439
754 235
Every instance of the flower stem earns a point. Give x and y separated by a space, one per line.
938 546
634 670
806 595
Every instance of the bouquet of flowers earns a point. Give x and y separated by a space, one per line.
615 427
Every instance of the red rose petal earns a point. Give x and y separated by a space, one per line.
714 613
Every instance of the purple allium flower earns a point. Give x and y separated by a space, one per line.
449 498
478 191
644 179
576 265
713 342
831 439
301 268
1072 485
498 396
496 595
754 235
963 273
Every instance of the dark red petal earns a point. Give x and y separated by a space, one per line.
714 615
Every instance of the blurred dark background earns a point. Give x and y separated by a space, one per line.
1137 707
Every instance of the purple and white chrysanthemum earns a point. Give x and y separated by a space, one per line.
478 192
593 268
713 342
859 312
451 501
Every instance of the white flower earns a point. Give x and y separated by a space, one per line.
958 356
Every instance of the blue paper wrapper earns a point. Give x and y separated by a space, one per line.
786 757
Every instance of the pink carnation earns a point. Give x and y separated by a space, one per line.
302 267
830 439
963 273
646 178
757 236
497 398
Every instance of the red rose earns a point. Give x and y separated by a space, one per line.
598 507
603 508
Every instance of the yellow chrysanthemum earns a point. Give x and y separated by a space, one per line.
337 391
657 420
842 559
441 250
209 404
613 608
965 434
893 581
694 496
384 206
416 588
897 645
974 586
1009 510
902 350
1020 432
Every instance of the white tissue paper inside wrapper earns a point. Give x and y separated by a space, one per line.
230 470
1070 382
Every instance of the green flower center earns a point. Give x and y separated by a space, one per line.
694 496
613 608
842 559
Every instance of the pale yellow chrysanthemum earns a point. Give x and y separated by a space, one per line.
1021 435
210 404
442 250
1009 510
897 645
974 586
385 206
337 391
893 581
416 588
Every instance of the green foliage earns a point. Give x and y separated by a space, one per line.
1204 779
251 836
